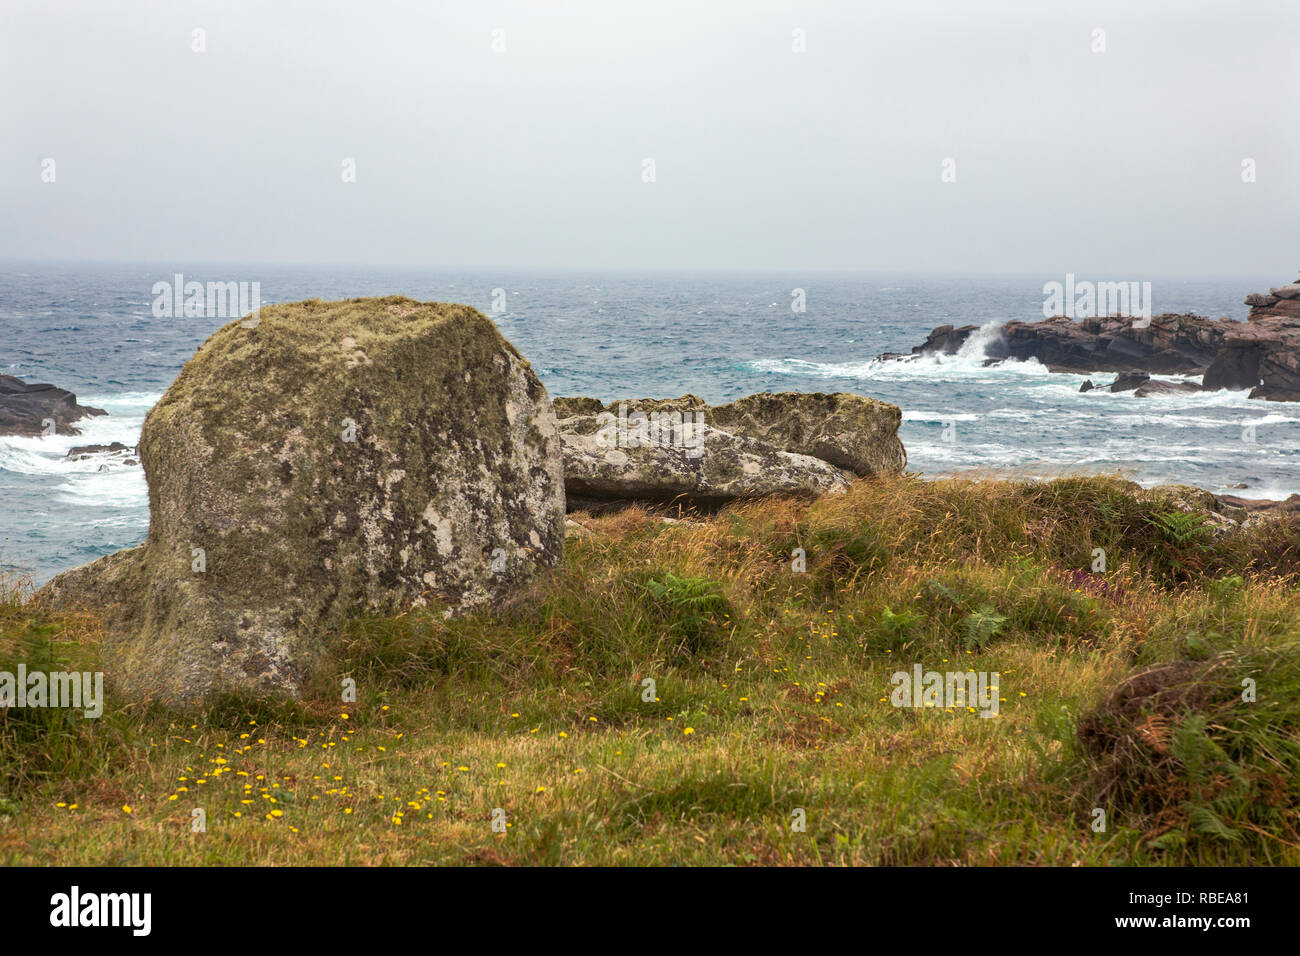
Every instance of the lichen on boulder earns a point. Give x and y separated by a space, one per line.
334 458
683 449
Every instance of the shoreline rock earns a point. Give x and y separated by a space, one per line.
26 408
1261 354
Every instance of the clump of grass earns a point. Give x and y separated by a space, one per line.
693 609
1203 754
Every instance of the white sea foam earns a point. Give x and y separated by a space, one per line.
915 415
115 488
100 481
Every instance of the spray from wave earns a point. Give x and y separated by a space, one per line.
971 361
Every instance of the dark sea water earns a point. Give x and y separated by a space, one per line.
90 328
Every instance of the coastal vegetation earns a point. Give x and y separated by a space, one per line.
717 689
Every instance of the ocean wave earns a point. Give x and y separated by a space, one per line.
913 415
48 455
935 368
117 488
122 401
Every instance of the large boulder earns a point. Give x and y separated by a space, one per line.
598 469
31 409
683 448
334 458
1264 352
850 431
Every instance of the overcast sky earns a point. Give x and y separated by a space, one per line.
1126 162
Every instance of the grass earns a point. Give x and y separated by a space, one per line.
677 693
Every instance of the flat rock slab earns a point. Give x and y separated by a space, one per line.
684 449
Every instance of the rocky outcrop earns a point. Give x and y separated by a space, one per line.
684 449
338 458
1264 354
943 340
1171 344
31 410
1261 354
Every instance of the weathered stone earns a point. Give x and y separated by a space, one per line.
789 442
1156 387
581 405
338 457
1128 381
600 468
850 431
26 409
1261 299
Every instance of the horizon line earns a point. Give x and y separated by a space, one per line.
608 269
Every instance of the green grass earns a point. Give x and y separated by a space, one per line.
677 693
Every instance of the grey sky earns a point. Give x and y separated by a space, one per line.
1123 163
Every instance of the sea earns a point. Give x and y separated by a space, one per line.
92 328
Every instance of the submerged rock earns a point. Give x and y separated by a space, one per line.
81 452
1128 382
1154 387
340 457
115 452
